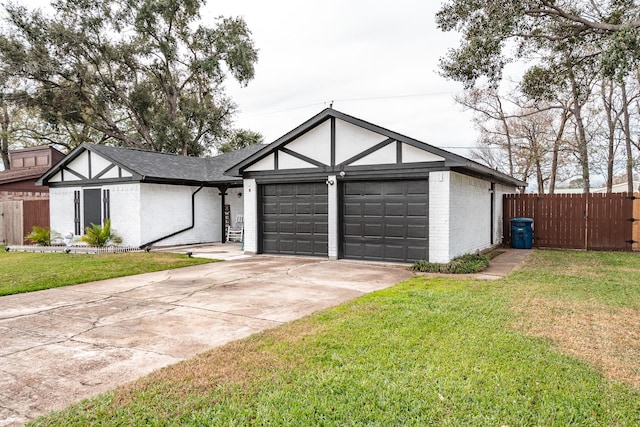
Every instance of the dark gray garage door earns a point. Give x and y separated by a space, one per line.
294 219
385 220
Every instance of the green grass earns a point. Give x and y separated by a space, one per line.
428 351
611 278
25 271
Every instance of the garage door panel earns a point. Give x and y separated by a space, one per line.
304 228
374 209
294 218
395 209
391 230
286 246
372 189
417 209
320 227
320 209
417 231
416 252
373 230
394 252
270 227
352 209
395 188
385 220
418 188
270 208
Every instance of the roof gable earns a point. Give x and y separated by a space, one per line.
333 141
96 164
84 165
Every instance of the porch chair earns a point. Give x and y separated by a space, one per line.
235 232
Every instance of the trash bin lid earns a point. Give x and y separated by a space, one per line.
524 220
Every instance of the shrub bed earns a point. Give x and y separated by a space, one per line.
465 264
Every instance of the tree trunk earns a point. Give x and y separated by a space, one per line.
627 136
4 135
607 102
556 149
507 134
583 152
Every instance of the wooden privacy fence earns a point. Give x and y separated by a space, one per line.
18 217
594 221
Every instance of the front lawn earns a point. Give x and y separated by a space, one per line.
428 351
27 271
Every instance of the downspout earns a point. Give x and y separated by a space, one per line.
193 221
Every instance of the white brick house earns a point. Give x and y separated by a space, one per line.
151 198
340 187
335 186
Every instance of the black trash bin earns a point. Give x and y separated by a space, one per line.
522 233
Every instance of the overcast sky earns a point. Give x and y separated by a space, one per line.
376 60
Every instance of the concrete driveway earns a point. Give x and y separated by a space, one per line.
62 345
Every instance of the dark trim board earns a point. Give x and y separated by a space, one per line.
302 157
390 171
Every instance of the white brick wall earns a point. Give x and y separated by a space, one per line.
124 208
141 213
250 196
124 200
61 209
439 216
470 215
332 217
460 215
167 208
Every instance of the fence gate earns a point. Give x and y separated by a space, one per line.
17 218
11 229
594 221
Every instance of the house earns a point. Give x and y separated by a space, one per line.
22 203
27 165
340 187
151 198
335 186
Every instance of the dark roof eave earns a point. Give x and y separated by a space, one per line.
487 172
188 182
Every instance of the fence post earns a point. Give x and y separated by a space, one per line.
635 234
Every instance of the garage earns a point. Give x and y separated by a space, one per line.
385 220
294 219
378 195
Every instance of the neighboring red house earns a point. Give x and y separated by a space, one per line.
27 165
22 203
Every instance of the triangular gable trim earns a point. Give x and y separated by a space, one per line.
331 114
105 173
449 160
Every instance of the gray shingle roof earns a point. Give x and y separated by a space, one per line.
172 167
151 166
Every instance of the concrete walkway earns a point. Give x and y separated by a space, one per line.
504 263
62 345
